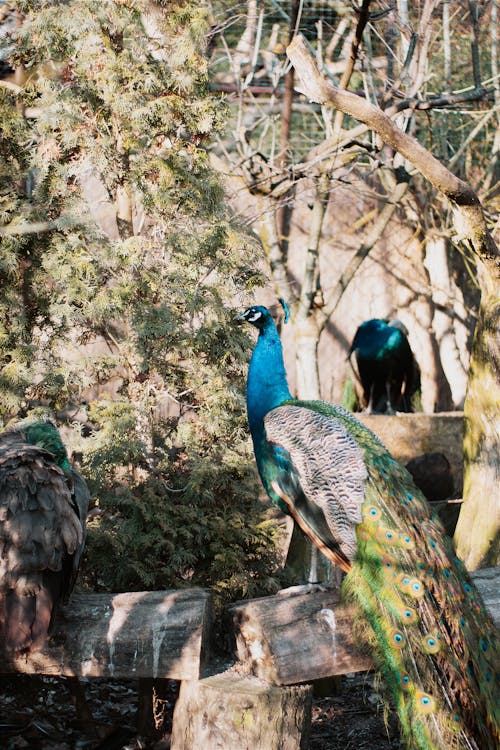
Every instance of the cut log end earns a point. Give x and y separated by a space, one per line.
233 711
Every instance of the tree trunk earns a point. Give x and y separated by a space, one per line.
444 322
477 537
306 335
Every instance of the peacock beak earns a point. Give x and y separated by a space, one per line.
240 318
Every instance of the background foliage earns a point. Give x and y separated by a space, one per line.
117 312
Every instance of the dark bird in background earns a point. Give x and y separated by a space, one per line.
43 505
386 367
431 637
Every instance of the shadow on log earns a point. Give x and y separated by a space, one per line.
138 634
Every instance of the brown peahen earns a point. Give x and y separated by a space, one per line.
433 642
43 505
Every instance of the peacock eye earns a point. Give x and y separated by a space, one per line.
253 315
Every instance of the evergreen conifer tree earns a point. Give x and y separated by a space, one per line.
115 311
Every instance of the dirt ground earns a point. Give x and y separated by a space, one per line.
37 713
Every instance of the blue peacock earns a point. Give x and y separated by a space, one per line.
43 505
386 367
433 642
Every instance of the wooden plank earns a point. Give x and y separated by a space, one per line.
138 634
288 639
230 711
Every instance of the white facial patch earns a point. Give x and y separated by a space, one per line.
252 317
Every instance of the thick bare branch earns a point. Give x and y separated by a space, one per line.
364 15
21 228
470 221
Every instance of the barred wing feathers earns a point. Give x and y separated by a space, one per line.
330 473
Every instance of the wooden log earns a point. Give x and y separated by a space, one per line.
139 634
233 712
288 639
292 638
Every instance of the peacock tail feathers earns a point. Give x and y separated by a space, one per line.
435 644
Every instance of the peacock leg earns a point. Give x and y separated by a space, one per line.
313 566
389 408
369 408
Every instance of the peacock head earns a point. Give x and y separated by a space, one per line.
260 317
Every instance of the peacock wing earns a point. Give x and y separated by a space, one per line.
328 467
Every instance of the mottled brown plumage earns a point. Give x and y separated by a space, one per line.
43 504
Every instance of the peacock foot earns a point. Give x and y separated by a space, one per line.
304 588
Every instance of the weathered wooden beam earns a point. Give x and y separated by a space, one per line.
230 711
138 634
288 639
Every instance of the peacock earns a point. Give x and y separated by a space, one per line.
433 642
386 366
43 505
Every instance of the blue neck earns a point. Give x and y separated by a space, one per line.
266 384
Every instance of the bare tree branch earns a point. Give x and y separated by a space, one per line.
469 218
363 19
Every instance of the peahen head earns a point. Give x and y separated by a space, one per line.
267 385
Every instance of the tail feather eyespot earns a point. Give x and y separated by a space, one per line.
363 533
408 615
372 513
431 643
424 703
456 723
416 588
403 581
397 639
386 536
388 563
404 681
405 541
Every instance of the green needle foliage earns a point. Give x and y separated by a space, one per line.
116 313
